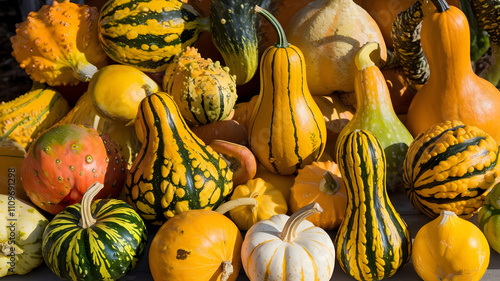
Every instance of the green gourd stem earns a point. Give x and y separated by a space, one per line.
289 232
329 184
441 5
282 42
87 220
231 204
363 59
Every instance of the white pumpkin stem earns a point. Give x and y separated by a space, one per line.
87 220
227 270
445 216
231 204
289 232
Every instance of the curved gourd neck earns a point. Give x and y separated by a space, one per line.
282 42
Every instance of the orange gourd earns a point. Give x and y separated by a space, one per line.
453 91
320 182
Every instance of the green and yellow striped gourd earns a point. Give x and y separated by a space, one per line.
100 240
148 34
175 170
451 166
373 241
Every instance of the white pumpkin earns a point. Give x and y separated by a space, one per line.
20 236
288 248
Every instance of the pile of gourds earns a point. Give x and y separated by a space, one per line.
284 177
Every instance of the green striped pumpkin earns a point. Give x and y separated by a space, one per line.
174 171
451 166
373 241
148 34
102 240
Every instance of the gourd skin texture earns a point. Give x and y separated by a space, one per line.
29 227
25 117
174 171
192 245
453 91
147 34
450 248
330 33
11 161
107 250
286 130
373 241
451 166
489 218
58 45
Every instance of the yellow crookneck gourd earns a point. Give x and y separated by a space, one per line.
375 113
453 91
286 130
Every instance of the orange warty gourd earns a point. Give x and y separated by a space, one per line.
58 45
453 91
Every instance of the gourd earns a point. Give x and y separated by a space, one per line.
373 241
329 46
282 182
286 130
20 236
85 114
175 171
233 29
11 160
196 245
489 218
203 90
452 166
288 248
449 247
95 240
63 162
25 117
116 91
58 44
264 201
374 113
148 34
445 40
227 130
320 182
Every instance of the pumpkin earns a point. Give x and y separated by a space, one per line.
320 182
239 158
374 113
286 130
372 232
227 130
288 248
11 160
448 248
329 46
25 117
196 245
445 40
175 171
282 182
95 240
116 91
58 44
63 162
148 34
489 218
20 236
451 166
267 202
204 91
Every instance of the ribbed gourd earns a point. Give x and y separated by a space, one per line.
25 117
374 113
148 34
58 44
286 130
204 91
452 166
175 170
373 241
